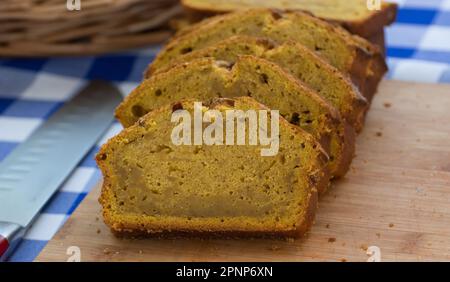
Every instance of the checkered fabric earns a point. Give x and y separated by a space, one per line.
32 89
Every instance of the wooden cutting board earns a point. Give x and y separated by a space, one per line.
395 197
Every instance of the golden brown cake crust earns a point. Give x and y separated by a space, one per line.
127 226
372 25
378 39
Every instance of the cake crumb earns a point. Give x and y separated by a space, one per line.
98 231
327 226
331 240
387 105
391 225
364 247
343 260
379 134
141 252
97 219
378 235
106 251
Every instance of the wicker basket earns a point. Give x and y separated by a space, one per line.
33 28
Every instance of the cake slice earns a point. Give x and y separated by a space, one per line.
299 61
269 84
155 188
350 54
354 15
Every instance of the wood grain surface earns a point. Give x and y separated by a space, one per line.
395 197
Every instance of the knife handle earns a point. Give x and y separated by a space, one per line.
10 236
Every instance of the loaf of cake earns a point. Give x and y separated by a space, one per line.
269 84
152 187
357 16
314 79
350 54
299 61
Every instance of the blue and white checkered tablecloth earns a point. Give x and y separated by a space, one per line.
32 89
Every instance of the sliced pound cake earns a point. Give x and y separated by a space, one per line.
351 54
269 84
354 15
298 60
148 187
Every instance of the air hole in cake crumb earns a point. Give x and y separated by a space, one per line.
276 15
229 102
158 92
186 50
282 159
176 107
264 78
138 111
295 119
102 157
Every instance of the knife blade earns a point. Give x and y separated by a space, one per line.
31 173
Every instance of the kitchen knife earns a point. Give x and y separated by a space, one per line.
31 174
